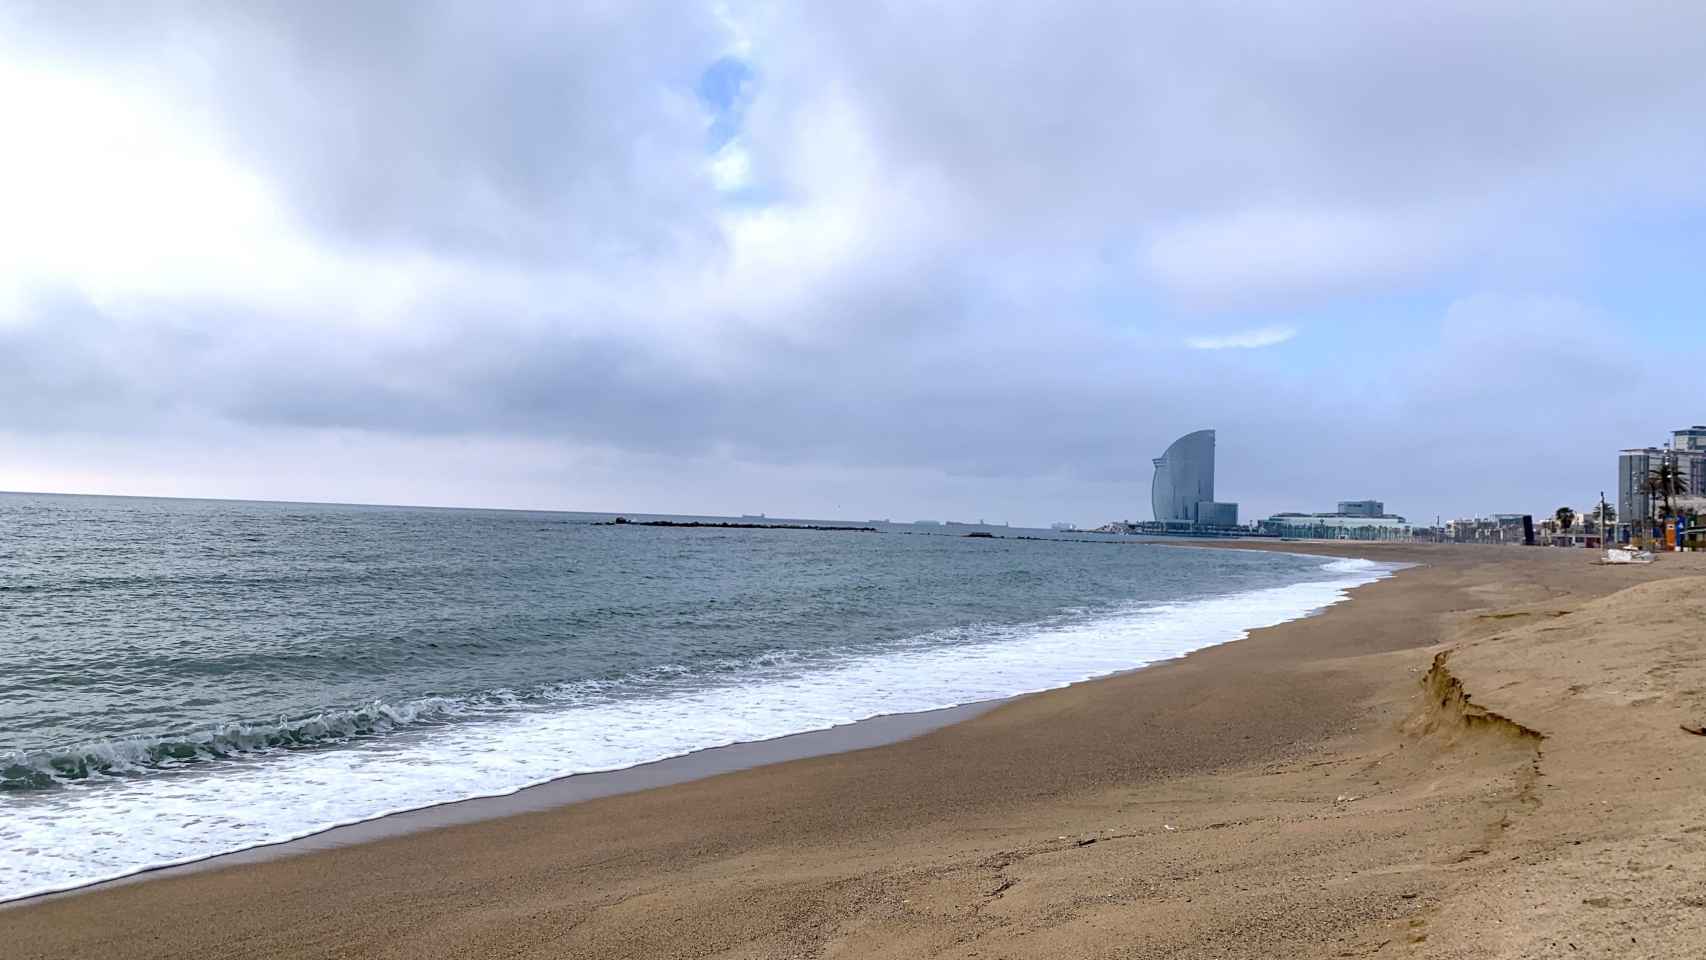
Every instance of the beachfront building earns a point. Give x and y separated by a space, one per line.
1362 508
1689 438
1687 449
1633 467
1583 531
1184 477
1510 528
1340 525
1182 491
1692 461
1215 513
1636 464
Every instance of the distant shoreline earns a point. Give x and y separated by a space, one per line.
726 525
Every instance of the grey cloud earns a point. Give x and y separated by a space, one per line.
1445 426
1019 337
541 132
1082 123
1010 408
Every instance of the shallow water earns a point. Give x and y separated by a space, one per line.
181 678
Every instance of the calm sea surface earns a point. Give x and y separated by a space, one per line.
181 678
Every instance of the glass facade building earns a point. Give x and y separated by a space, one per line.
1213 513
1336 526
1183 489
1635 465
1184 477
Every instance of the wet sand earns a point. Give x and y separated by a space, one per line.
1323 788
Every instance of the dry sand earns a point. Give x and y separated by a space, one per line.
1479 758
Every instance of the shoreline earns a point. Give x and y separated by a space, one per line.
568 789
572 788
1304 792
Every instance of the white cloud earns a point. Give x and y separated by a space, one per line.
731 167
1243 340
111 192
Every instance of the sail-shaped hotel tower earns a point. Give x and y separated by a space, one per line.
1183 488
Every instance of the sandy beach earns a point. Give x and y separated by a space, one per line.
1481 757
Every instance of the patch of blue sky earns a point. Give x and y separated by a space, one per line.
726 88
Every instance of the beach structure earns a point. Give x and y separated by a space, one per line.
1506 528
1354 520
1686 450
1634 465
1182 491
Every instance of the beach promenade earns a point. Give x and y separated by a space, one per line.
1481 757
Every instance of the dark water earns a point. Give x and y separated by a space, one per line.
235 673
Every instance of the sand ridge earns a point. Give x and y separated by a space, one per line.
1607 854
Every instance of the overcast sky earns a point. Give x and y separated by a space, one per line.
849 260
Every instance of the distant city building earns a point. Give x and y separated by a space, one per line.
1689 449
1512 528
1690 438
1684 506
1633 467
1354 520
1182 491
1184 477
1635 464
1213 513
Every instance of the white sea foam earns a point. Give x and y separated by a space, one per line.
91 831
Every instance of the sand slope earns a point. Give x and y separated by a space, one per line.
1606 853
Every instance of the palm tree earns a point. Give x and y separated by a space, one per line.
1602 518
1566 518
1665 482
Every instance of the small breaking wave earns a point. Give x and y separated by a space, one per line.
250 740
1354 565
525 739
232 741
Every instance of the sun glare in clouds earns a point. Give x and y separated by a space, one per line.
112 193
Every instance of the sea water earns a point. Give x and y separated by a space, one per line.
183 678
